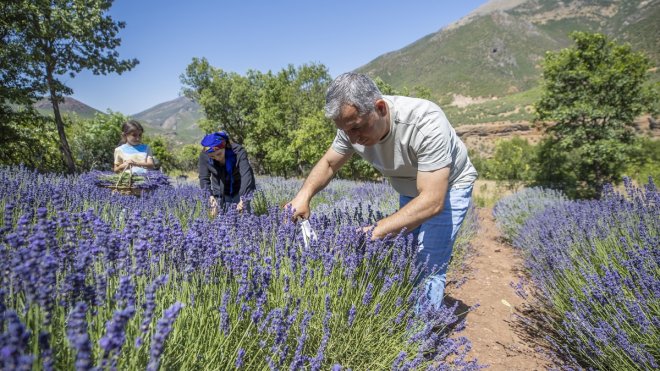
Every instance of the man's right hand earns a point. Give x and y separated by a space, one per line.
300 208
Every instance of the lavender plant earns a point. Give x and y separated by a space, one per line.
512 211
596 265
134 283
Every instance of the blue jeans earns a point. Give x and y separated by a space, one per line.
435 239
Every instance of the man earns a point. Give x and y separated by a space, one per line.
225 172
410 141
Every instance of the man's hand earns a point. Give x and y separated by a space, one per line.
239 206
300 208
370 228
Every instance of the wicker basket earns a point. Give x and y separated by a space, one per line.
130 189
123 190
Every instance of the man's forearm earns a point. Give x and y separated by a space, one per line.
318 178
411 216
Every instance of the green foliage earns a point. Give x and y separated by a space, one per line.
278 117
228 99
513 108
93 141
45 40
31 140
646 162
187 157
592 91
512 162
161 147
358 168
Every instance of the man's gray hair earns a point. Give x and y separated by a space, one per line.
351 88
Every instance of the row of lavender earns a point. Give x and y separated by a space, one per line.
89 279
596 268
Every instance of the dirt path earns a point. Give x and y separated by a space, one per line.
497 339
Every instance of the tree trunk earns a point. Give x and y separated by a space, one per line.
64 144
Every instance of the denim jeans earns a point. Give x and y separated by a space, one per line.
435 239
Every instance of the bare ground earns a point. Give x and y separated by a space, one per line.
498 338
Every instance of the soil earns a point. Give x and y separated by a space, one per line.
497 336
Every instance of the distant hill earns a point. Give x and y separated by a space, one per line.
497 49
69 106
176 119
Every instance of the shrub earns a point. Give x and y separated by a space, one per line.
596 265
511 212
93 279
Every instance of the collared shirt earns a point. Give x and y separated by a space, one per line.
420 139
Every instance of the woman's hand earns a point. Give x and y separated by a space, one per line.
213 206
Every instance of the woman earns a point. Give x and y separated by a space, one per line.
225 172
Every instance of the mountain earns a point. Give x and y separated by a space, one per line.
176 119
497 49
69 106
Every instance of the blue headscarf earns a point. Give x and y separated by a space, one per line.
217 139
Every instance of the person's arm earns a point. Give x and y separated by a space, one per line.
320 176
204 174
247 175
432 187
119 164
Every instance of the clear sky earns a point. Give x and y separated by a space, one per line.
236 36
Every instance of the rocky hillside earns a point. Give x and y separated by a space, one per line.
176 119
497 49
69 106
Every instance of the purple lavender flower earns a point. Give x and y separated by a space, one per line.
299 358
46 352
115 335
239 358
14 354
150 305
351 315
163 329
125 294
368 294
78 336
224 316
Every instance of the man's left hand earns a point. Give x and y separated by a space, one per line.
370 228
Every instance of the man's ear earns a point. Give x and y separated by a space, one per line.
381 107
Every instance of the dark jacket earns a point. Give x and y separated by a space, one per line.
214 179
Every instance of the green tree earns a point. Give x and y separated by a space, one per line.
592 92
187 157
93 141
16 91
646 162
161 149
229 100
511 163
53 38
290 105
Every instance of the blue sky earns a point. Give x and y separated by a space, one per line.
237 36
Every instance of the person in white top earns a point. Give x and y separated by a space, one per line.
133 155
410 141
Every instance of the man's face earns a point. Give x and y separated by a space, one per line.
367 129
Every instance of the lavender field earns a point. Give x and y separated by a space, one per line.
594 269
91 279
